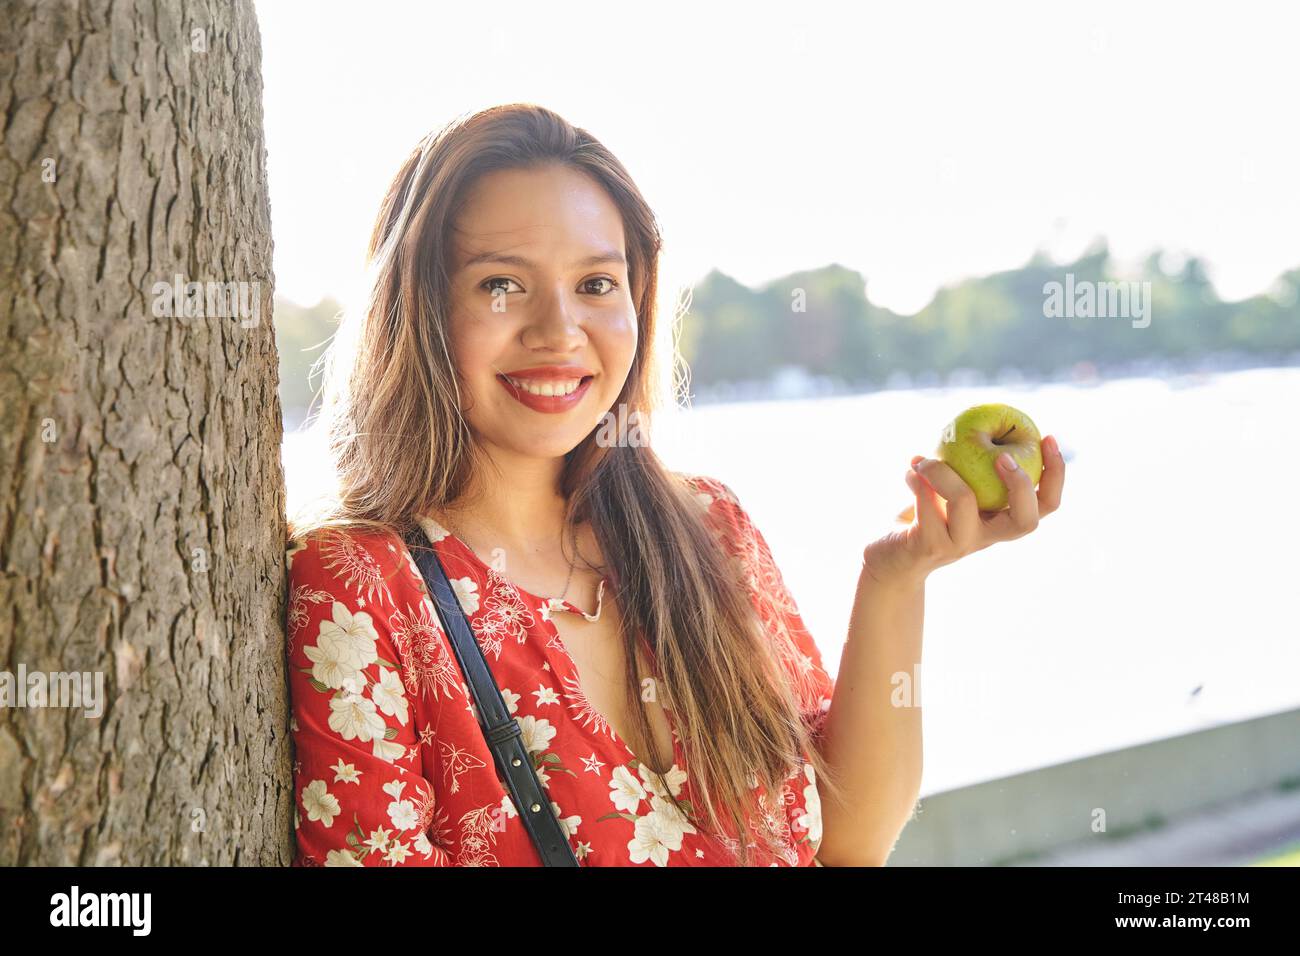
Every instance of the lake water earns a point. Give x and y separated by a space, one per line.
1173 563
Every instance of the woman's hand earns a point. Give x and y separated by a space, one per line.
949 524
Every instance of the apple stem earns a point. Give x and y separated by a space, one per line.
998 440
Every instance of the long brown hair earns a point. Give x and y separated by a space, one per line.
401 448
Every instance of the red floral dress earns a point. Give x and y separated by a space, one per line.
391 768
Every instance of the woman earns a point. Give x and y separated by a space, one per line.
675 706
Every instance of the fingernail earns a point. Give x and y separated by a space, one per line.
917 461
1008 462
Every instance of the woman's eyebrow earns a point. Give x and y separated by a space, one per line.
605 256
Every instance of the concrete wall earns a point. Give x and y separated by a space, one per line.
1018 817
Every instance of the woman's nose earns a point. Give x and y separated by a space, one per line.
558 323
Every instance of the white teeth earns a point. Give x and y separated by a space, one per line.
545 388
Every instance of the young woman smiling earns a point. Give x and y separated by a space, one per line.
674 704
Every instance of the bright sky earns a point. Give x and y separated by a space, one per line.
917 143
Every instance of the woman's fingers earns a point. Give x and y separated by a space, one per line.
949 521
963 511
1022 517
929 516
1053 478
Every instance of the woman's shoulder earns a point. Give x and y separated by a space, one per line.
712 493
365 563
706 486
720 503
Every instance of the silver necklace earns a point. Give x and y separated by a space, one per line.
600 590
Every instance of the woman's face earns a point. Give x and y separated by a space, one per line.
539 278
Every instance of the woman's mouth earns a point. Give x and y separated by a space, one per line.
547 395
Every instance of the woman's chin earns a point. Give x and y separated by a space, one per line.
554 447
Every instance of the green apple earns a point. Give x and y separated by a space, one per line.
972 441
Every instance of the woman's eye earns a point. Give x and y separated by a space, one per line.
486 284
612 285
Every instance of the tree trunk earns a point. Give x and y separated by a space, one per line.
142 526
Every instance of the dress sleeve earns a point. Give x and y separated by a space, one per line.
794 645
360 795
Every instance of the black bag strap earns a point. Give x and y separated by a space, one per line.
499 729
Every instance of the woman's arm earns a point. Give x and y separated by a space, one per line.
872 739
873 744
360 795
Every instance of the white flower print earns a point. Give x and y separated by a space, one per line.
671 818
299 613
811 820
432 530
341 858
344 647
546 695
537 733
333 663
477 836
353 717
346 772
549 607
378 839
466 591
397 853
626 791
319 803
422 844
506 613
403 815
357 631
394 788
511 699
387 749
389 696
675 778
570 823
654 836
770 822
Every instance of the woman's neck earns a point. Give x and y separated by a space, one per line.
514 505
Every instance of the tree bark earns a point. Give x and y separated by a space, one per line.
142 527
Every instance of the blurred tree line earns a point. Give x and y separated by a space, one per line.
988 324
824 322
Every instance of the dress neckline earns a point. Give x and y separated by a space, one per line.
428 524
